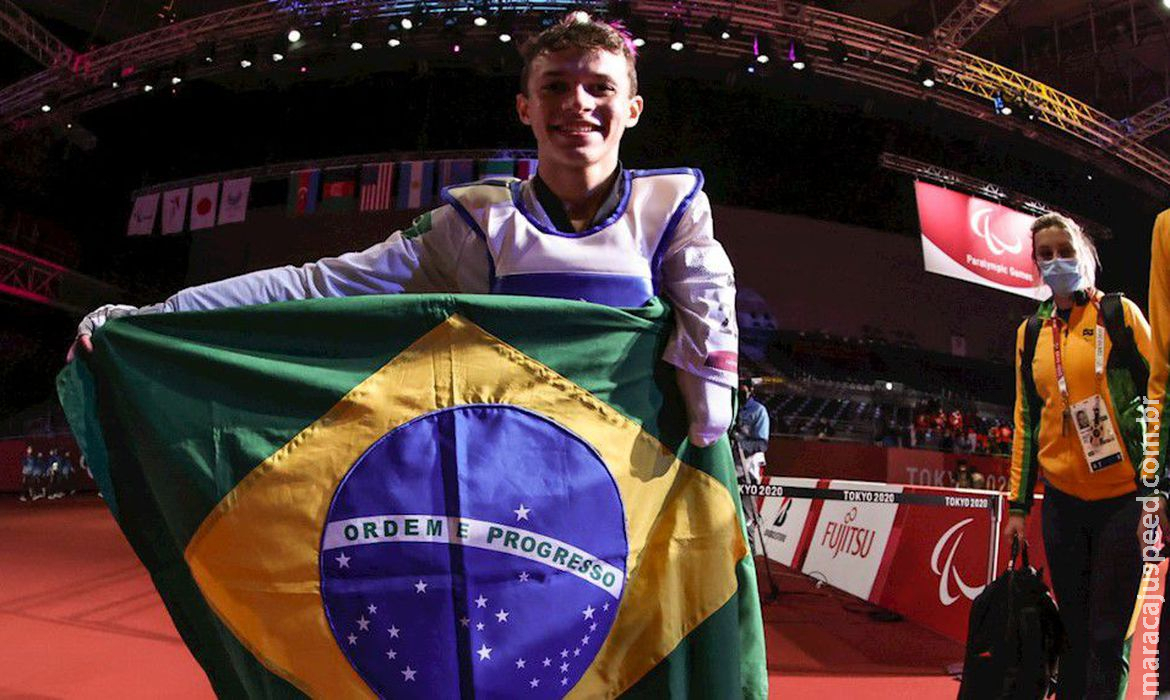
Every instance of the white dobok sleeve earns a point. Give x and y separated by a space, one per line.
699 280
438 253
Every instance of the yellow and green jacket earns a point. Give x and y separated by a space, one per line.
1040 444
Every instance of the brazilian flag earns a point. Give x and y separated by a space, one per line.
426 496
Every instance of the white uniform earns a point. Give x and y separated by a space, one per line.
493 236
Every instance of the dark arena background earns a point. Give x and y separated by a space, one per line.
873 369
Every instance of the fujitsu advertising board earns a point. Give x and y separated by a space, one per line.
977 241
850 538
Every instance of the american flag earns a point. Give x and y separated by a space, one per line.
377 186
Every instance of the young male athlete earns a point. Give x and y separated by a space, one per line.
582 228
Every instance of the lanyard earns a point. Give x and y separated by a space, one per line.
1098 355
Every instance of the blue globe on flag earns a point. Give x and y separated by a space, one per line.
478 550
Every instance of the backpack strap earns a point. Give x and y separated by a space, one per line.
1124 346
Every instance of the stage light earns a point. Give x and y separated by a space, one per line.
582 17
206 51
716 28
406 23
838 52
796 55
480 17
294 35
178 72
1166 4
277 56
678 35
46 107
113 78
394 42
925 74
506 26
356 46
1001 105
762 48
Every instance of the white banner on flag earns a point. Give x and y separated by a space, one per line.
143 215
174 207
203 205
233 206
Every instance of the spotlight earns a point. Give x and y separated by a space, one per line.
796 55
925 74
277 54
178 72
247 55
678 33
1166 4
206 51
294 35
480 17
148 82
113 78
762 48
716 28
1001 105
356 45
406 23
394 42
838 53
47 103
506 26
637 28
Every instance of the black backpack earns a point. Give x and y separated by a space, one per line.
1121 335
1014 637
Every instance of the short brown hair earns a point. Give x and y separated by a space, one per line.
573 33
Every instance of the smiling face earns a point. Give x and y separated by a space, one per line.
578 103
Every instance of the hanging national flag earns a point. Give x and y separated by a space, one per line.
495 167
303 186
174 208
416 182
339 189
203 205
377 186
143 215
525 168
456 172
233 208
459 496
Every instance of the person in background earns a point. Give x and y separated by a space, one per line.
28 468
1067 361
967 477
752 429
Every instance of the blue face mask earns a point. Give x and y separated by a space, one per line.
1062 275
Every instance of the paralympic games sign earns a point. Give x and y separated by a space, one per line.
977 241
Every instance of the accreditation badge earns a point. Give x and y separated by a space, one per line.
1095 430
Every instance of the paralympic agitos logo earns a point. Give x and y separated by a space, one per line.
844 536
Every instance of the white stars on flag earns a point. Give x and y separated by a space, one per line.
534 682
393 632
408 674
342 561
484 651
564 653
373 609
564 681
593 627
522 512
479 627
465 621
585 639
605 608
481 602
363 624
502 615
421 586
352 638
588 612
565 667
520 663
391 655
523 576
577 651
547 662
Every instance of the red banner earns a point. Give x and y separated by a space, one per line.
977 241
